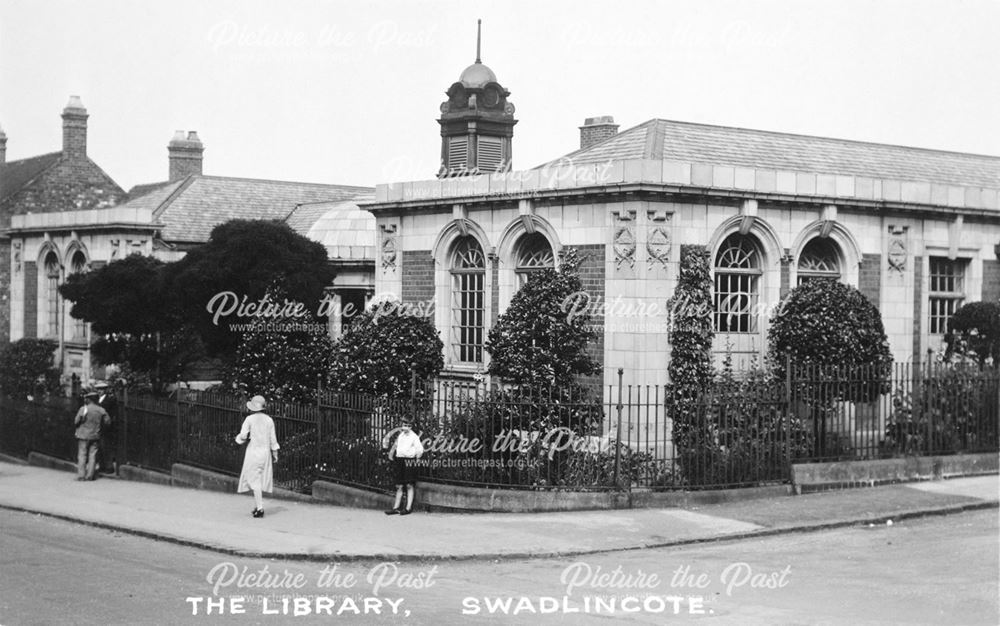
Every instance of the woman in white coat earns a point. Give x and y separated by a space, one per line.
258 473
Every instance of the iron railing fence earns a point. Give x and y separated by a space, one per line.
746 428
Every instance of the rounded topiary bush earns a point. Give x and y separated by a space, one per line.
829 323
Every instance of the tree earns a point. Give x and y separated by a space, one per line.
541 339
976 327
136 318
227 281
382 349
27 367
127 296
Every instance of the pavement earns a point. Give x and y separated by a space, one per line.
306 531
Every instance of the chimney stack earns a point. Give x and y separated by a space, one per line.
3 146
596 130
185 155
74 129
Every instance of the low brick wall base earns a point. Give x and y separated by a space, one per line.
342 495
138 474
808 477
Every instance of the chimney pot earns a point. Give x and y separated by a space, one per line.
597 129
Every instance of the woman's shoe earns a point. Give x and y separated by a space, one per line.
405 512
258 512
393 512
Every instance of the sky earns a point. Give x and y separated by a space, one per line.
348 92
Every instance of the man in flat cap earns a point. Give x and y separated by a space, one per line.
89 421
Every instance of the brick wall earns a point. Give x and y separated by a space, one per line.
592 275
991 281
30 299
918 272
418 276
589 135
870 278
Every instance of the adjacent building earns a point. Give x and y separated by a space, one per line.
63 215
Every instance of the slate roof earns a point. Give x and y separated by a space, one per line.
191 207
14 175
741 147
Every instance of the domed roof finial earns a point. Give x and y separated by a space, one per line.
479 34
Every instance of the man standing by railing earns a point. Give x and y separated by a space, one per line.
109 440
89 421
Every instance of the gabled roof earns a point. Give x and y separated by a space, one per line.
190 208
742 147
15 175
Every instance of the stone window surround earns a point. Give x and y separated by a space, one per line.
441 252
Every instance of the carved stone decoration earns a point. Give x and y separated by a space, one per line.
658 246
624 246
623 243
897 251
389 253
115 248
17 257
897 254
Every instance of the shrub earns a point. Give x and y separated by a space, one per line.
825 322
748 436
976 326
690 368
540 341
382 349
951 407
280 366
27 366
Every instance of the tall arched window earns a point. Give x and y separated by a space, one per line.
51 295
820 258
468 300
77 265
737 285
534 253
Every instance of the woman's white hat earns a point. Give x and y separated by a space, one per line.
256 403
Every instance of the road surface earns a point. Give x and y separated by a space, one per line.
936 570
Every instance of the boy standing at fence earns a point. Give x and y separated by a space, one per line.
89 421
404 451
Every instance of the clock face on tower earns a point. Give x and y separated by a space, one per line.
491 97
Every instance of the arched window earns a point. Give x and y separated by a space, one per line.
77 265
51 295
737 285
468 301
819 259
534 253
